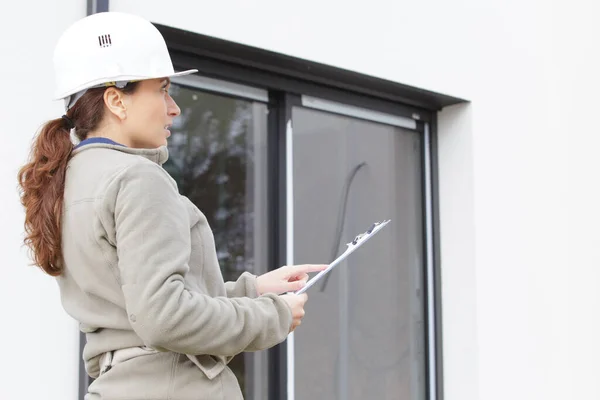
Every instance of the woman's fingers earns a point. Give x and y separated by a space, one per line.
297 282
296 303
298 274
303 269
302 277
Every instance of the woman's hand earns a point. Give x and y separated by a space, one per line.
288 278
296 303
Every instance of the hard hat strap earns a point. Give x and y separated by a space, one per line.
72 99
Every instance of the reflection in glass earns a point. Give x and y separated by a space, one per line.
217 157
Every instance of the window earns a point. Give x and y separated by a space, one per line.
289 160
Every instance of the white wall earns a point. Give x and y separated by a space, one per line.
518 172
39 341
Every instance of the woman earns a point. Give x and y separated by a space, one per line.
135 261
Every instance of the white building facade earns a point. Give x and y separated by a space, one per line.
471 124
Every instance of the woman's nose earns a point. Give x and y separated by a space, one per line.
172 108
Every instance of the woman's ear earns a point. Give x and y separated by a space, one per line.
114 100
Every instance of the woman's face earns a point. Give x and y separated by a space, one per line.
150 114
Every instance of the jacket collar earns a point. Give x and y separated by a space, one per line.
159 155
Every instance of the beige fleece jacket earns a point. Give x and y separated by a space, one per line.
141 267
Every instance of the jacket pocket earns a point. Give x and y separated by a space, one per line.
112 358
209 365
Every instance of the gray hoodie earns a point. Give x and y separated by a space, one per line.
141 267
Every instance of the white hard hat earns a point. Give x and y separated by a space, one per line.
109 48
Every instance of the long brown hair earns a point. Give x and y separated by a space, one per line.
42 179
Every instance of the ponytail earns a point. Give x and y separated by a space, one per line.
42 179
42 182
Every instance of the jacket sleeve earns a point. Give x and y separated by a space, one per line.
245 286
153 248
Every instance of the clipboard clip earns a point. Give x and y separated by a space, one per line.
362 237
371 229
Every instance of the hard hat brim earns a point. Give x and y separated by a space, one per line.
102 81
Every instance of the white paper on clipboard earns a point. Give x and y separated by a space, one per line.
351 247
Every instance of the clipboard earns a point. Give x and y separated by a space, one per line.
351 247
